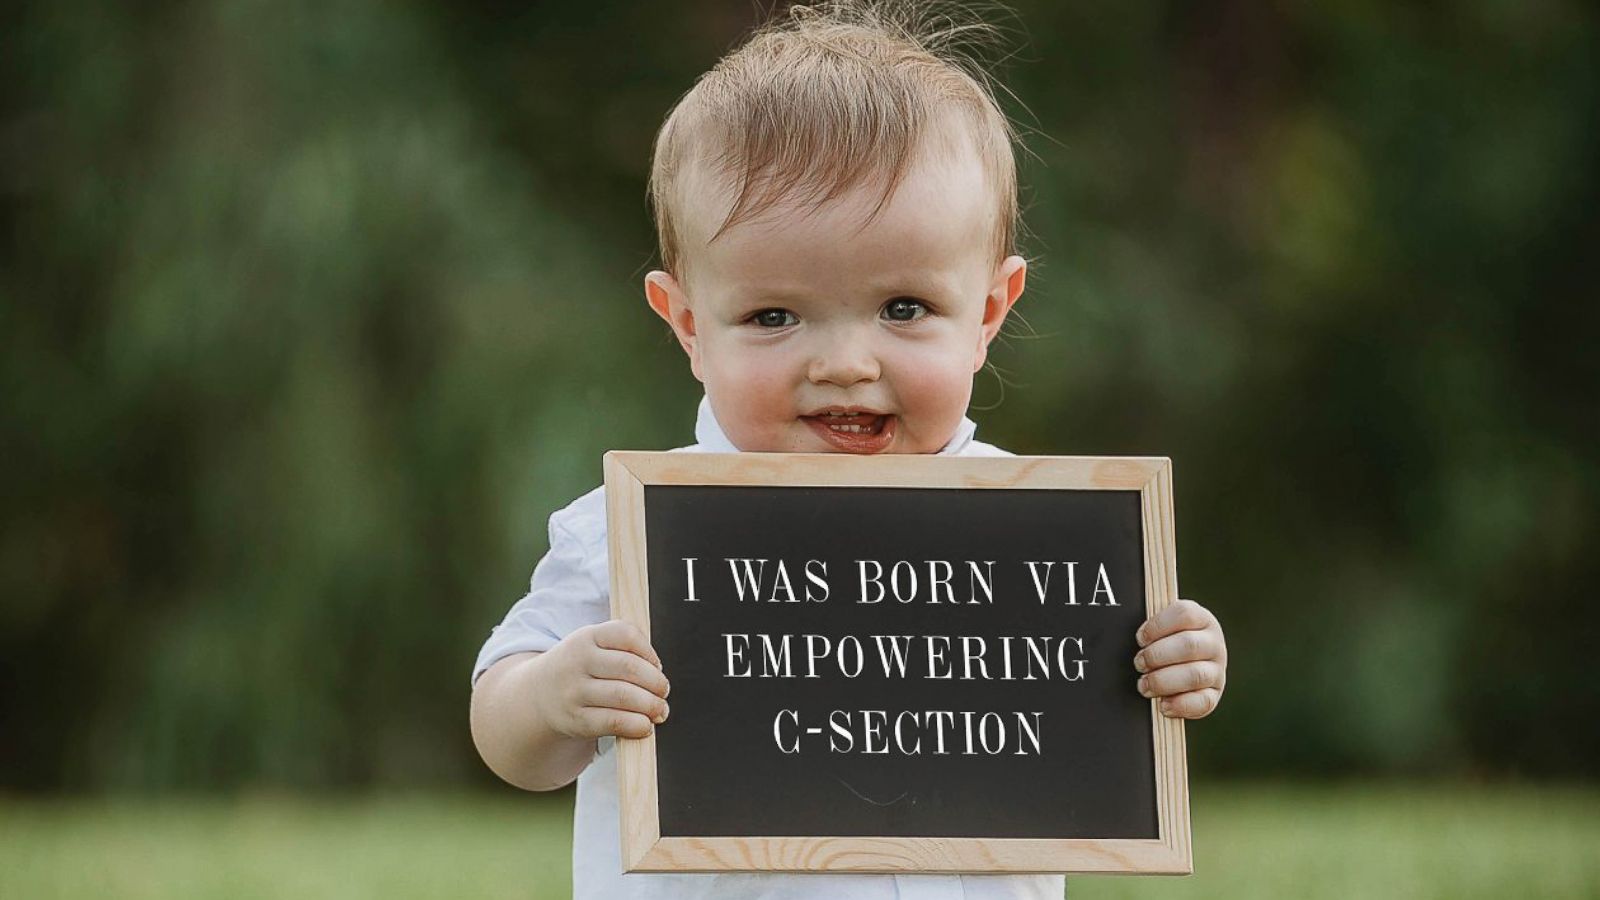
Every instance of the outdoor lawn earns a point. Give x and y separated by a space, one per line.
1447 841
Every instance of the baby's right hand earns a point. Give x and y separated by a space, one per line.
603 680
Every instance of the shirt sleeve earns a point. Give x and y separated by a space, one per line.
563 595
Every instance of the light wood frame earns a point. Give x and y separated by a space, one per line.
643 847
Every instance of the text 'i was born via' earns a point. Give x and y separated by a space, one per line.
935 581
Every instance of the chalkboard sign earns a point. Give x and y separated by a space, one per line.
897 663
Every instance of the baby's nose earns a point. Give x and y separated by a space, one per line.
844 363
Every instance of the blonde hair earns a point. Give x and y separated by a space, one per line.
827 98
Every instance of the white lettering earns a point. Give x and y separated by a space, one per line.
751 576
935 582
894 645
936 656
852 642
816 578
1040 586
777 732
910 593
736 654
1061 658
813 654
1024 730
1102 584
776 655
1000 735
872 725
969 657
975 578
900 738
688 568
840 730
876 579
781 582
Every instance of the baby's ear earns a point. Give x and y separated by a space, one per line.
666 297
1010 277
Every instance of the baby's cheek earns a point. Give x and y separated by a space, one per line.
934 391
939 380
752 399
760 385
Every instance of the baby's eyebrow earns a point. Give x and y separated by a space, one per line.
916 284
767 294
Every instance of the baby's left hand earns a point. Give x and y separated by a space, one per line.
1185 660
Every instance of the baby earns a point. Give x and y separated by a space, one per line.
836 205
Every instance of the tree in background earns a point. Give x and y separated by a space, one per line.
311 313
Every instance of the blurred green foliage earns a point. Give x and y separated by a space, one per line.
310 314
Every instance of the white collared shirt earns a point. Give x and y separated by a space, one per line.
570 589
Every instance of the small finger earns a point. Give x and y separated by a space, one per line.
1192 705
625 696
1182 615
1185 646
1181 679
625 666
619 635
601 722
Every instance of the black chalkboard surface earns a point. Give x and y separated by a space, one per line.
892 664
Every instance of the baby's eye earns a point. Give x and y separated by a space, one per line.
904 309
774 318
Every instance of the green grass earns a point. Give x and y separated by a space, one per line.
386 847
1445 841
1250 841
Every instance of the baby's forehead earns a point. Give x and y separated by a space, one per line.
942 202
939 217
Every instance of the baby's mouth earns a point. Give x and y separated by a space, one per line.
852 423
854 431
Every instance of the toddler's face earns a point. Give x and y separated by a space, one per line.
820 331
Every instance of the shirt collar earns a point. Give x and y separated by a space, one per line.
709 435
